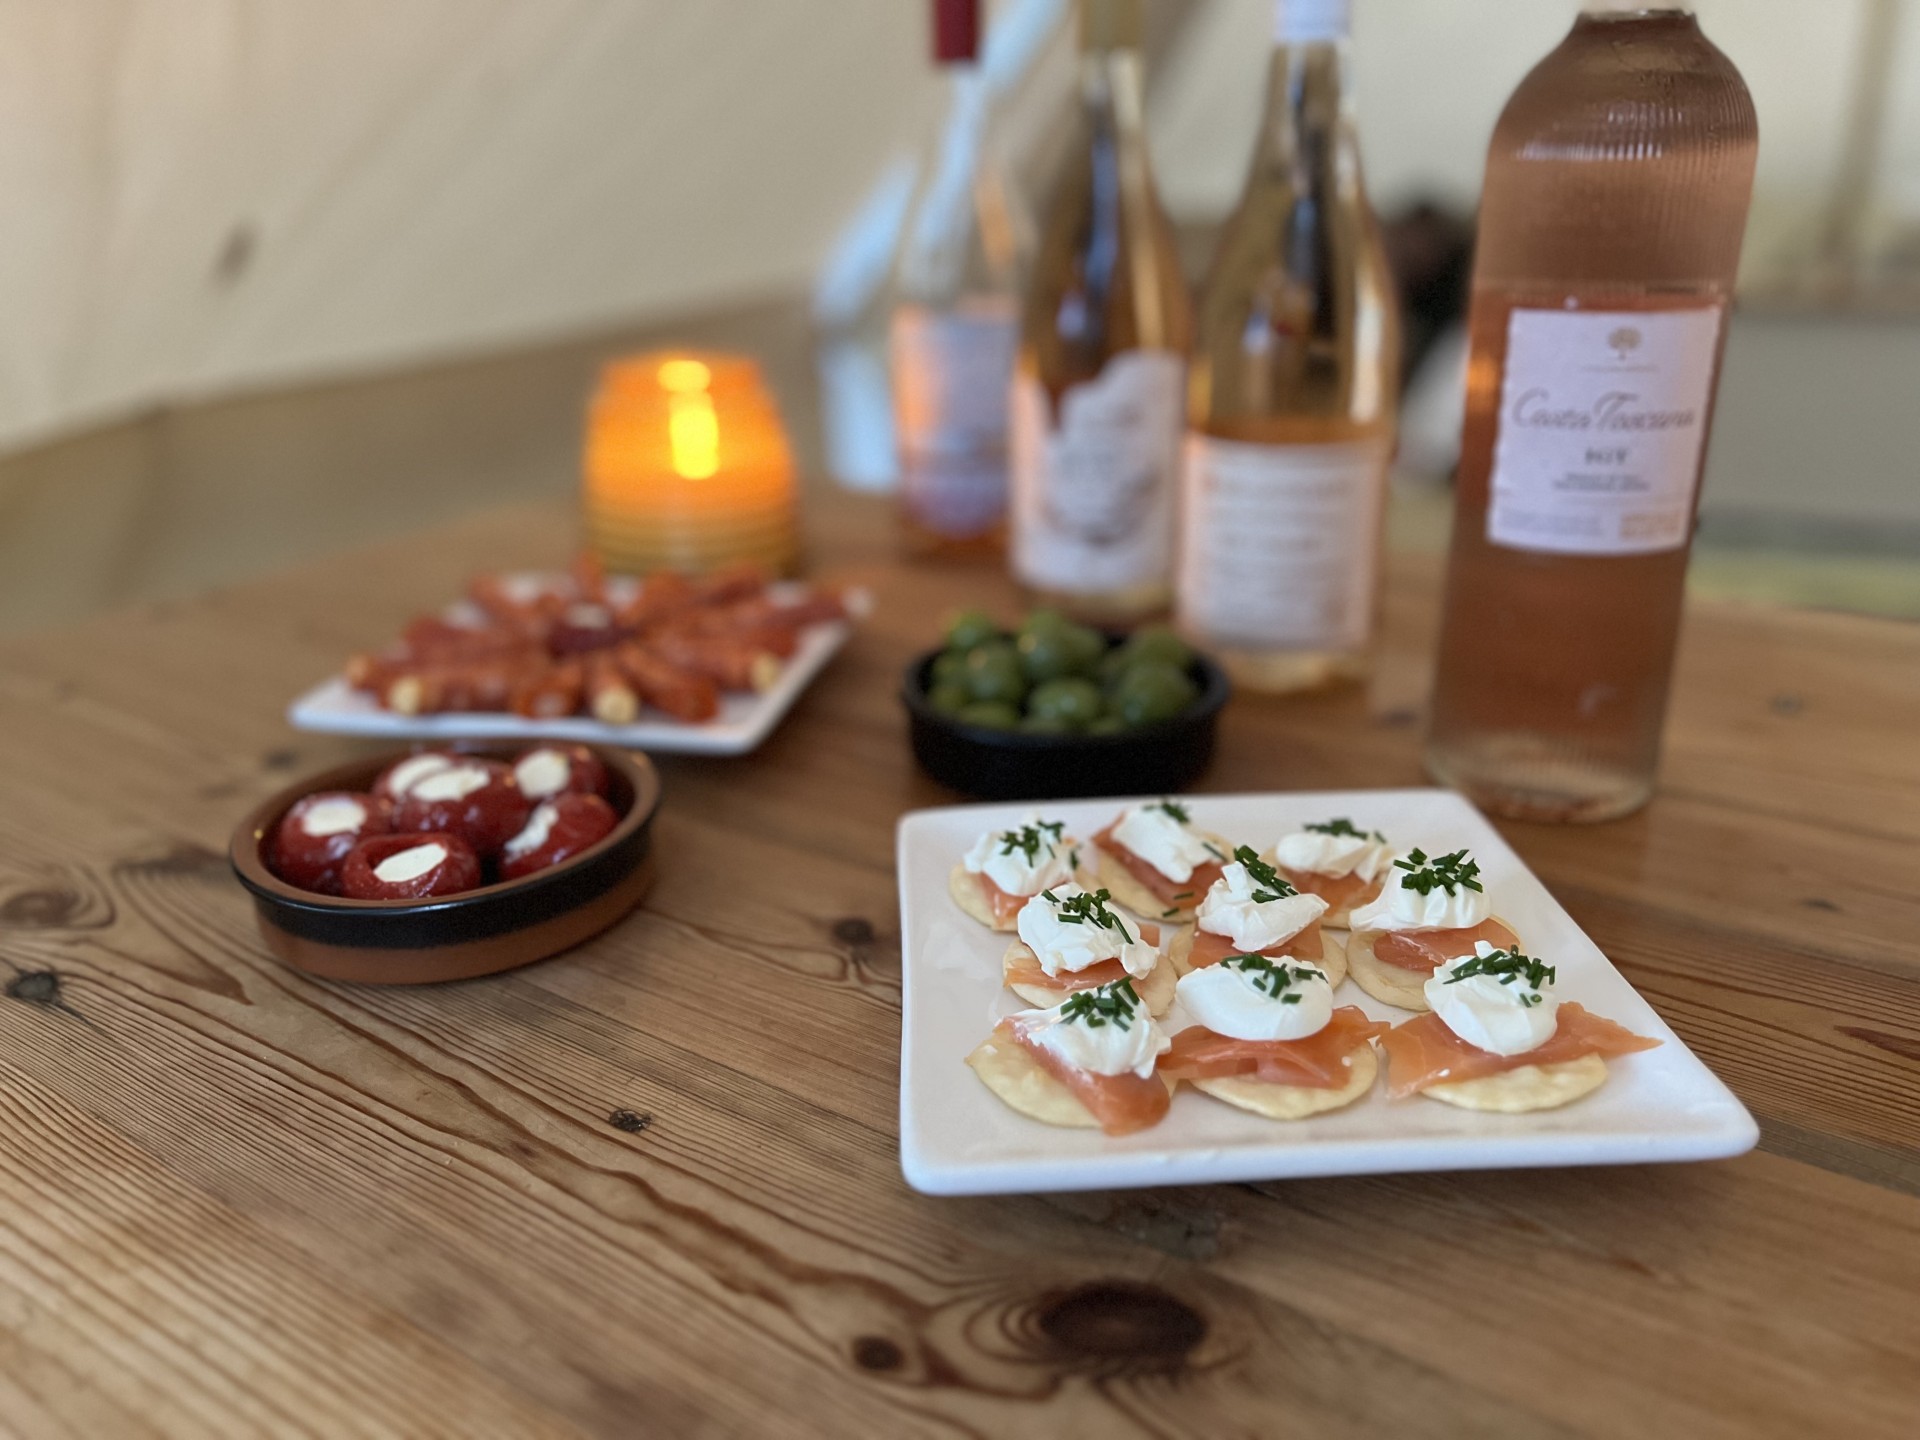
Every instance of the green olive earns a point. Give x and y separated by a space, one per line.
1151 690
1075 701
1087 646
1042 620
1158 642
970 628
1046 725
1106 725
990 715
1045 654
949 697
993 672
949 667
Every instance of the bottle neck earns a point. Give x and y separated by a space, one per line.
1308 106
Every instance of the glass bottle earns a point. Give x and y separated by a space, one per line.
956 320
1098 390
1293 392
1615 200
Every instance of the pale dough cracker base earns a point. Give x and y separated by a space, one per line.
1294 1102
1155 992
1531 1087
1389 984
1333 958
1021 1082
964 886
1121 885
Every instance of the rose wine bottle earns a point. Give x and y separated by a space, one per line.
956 320
1098 392
1292 396
1615 199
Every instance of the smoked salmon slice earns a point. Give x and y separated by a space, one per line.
1171 893
1428 950
1341 892
1316 1062
1026 970
1121 1103
1211 949
1425 1052
1004 907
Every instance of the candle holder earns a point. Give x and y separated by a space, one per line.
687 466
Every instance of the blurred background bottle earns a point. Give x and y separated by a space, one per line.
956 318
1616 196
1098 394
1292 395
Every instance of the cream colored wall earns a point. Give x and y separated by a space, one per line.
204 195
211 196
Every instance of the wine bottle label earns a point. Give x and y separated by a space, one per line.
951 370
1603 421
1093 493
1278 542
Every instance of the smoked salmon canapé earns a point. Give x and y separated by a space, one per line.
1251 910
1270 1040
1154 862
1086 1063
1072 939
1336 860
1430 910
1495 1038
1007 868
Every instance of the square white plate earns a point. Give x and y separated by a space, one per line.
957 1138
334 707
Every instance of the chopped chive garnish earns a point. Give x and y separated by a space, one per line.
1507 966
1344 826
1274 978
1105 1004
1030 839
1450 872
1265 877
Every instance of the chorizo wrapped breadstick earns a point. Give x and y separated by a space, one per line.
459 686
731 662
552 691
661 596
517 602
739 581
610 696
683 694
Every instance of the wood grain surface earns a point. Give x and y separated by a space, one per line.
651 1188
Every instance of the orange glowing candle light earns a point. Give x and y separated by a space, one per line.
687 466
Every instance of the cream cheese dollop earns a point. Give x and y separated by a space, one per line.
1315 853
456 782
1163 840
1229 909
542 774
334 816
411 863
535 832
1070 944
1399 908
1103 1049
1008 865
1507 1017
1233 1001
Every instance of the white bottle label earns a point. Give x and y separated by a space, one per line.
1603 420
1278 542
1093 495
951 370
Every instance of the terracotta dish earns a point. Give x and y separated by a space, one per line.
453 937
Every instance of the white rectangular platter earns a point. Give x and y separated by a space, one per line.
956 1138
333 707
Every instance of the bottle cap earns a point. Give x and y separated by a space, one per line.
1309 22
1109 25
956 30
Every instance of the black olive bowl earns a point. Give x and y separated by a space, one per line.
1161 758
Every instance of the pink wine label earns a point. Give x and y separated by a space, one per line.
951 370
1277 542
1093 491
1603 422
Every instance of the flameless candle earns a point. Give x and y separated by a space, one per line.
687 466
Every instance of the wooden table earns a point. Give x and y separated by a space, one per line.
650 1188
